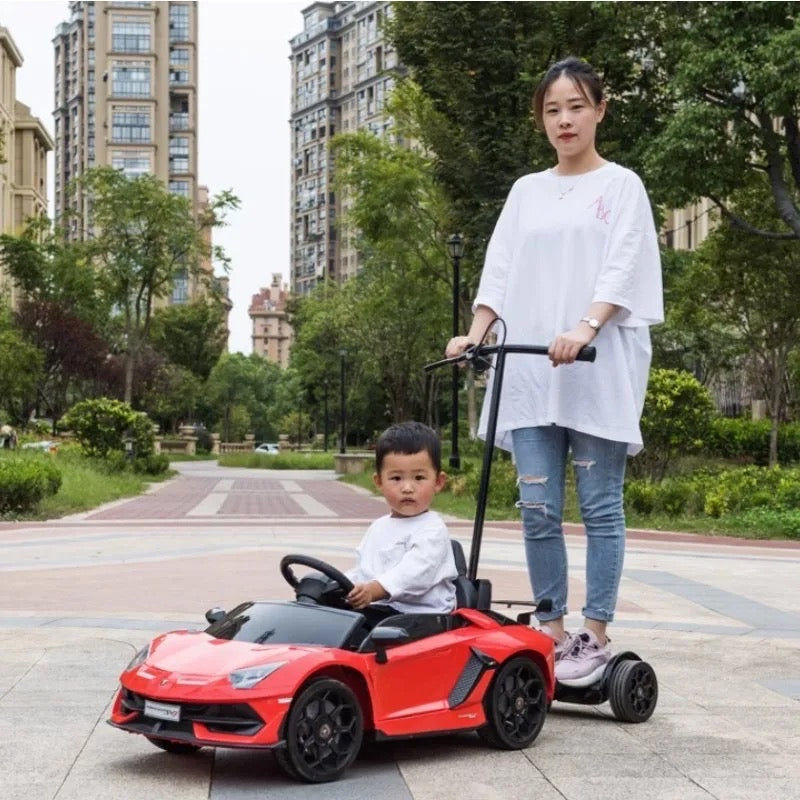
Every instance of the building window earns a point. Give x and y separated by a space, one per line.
178 22
130 125
179 56
178 76
180 188
130 36
179 154
180 288
132 163
130 79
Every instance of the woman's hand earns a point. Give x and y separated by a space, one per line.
456 346
564 348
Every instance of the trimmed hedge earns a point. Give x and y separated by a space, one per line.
748 440
24 481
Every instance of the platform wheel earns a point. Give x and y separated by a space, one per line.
515 705
633 691
176 748
323 731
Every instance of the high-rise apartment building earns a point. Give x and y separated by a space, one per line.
272 333
24 144
126 95
342 72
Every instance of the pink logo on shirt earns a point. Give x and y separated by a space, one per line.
601 212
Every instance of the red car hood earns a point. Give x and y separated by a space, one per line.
201 655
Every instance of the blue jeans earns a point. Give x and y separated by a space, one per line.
541 456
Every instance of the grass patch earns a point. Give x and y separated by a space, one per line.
314 460
86 484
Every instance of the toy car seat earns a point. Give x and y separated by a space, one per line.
469 593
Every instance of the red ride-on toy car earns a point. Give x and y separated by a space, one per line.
308 679
628 683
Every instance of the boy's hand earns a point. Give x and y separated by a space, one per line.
363 594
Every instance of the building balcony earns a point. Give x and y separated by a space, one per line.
179 121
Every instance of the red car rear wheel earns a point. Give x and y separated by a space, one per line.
515 704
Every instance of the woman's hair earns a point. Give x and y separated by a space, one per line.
408 438
581 73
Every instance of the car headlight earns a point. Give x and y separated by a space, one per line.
248 678
139 658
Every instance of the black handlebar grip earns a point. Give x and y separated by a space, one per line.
587 353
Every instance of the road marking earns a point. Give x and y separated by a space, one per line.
209 505
312 507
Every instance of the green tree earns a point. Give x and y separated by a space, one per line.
191 336
398 308
21 366
478 124
144 237
735 89
59 292
172 396
748 284
240 386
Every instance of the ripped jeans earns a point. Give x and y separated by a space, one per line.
541 454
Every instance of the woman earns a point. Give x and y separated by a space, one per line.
573 261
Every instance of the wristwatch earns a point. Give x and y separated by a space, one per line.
593 323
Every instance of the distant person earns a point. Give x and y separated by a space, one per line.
405 561
573 261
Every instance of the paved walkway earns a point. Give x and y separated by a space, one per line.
719 620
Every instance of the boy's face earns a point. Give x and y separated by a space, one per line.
409 482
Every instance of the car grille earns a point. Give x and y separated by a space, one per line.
234 718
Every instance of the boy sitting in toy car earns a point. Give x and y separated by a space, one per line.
405 561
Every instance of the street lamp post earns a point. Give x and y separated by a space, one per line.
455 245
325 413
342 411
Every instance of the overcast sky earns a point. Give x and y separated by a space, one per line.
243 130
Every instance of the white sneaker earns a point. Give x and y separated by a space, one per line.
563 645
585 661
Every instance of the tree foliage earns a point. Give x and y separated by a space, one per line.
191 336
144 238
735 89
748 284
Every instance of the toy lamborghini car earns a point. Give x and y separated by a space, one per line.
309 679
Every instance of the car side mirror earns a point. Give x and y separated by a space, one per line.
382 637
215 615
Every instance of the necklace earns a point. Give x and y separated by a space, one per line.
562 193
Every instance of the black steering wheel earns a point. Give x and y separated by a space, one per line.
343 582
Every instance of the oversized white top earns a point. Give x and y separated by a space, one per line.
547 261
412 558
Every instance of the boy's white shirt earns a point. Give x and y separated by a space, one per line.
412 558
548 260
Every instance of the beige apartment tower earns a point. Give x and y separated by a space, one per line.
126 94
342 73
272 333
24 144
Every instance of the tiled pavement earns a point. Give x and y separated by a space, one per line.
718 619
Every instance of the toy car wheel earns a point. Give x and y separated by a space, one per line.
176 748
323 732
633 691
516 705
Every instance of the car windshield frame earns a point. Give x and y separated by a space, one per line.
265 622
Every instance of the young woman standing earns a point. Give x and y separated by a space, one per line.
573 261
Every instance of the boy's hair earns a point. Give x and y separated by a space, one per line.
408 438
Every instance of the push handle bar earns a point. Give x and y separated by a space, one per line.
476 355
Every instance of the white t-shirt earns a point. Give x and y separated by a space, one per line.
547 261
412 558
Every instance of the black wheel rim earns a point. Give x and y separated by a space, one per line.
641 690
327 732
520 702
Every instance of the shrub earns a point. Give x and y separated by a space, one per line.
25 480
151 464
676 419
102 425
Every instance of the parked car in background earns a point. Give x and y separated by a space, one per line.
270 448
